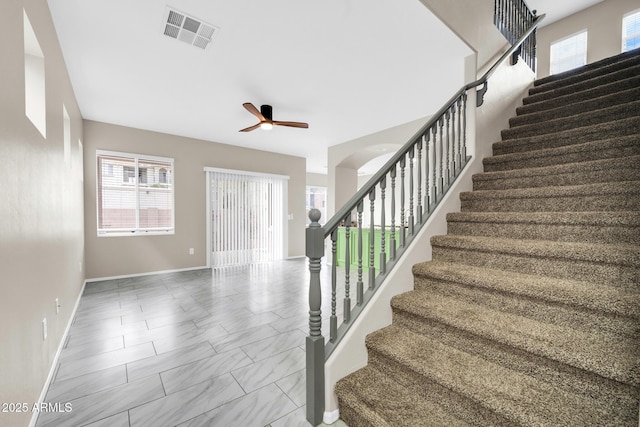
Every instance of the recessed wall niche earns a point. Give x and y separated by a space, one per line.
34 81
67 136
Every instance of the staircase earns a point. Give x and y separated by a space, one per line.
529 312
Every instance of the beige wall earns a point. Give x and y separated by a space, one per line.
345 159
603 23
117 256
41 212
317 179
472 21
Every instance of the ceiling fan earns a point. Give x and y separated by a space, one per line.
265 115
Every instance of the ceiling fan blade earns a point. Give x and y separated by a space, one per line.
292 124
250 128
253 110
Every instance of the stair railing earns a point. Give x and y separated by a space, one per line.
411 183
513 18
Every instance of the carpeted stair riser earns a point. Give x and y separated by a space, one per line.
429 361
567 378
622 196
565 174
589 93
624 227
459 405
617 150
594 353
535 308
586 74
578 108
388 412
613 129
609 301
611 264
630 109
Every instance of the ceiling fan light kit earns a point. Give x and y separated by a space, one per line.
265 115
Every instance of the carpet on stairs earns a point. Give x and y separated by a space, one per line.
529 311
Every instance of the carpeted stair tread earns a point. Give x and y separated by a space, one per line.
572 293
612 129
616 265
618 196
597 219
538 173
364 399
590 227
604 67
593 352
623 255
578 107
629 109
499 389
588 93
617 149
499 291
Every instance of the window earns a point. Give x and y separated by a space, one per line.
163 176
631 31
34 87
569 53
130 206
316 199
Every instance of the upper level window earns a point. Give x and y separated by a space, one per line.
130 206
631 31
569 53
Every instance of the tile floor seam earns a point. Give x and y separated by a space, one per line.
265 293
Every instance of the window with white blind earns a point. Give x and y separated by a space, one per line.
135 194
569 53
631 31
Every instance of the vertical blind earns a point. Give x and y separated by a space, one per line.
135 194
247 217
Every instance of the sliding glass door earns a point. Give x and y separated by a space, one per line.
247 221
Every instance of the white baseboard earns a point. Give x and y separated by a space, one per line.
52 370
150 273
331 417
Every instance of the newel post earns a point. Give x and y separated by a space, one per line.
315 340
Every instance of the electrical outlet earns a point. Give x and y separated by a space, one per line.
57 305
44 328
191 251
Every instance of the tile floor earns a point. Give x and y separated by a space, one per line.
197 348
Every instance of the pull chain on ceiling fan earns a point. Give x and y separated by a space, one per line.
265 115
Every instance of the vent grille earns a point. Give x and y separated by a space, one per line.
188 29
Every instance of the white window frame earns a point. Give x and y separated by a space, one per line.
553 61
625 19
137 230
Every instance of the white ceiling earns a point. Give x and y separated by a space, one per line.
347 67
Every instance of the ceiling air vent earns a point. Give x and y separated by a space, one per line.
188 29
